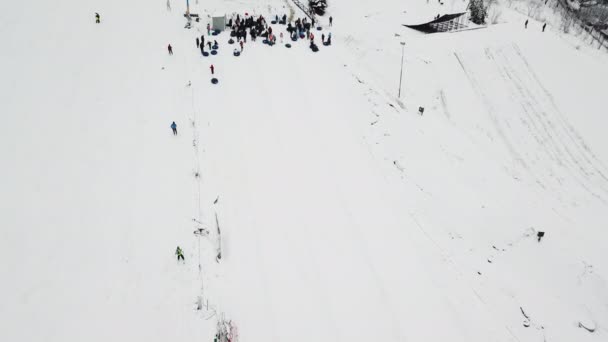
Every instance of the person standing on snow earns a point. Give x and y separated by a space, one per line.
170 49
212 69
97 18
174 128
544 26
208 29
526 24
198 42
241 46
180 254
331 20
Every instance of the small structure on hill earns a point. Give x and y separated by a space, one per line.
218 22
444 23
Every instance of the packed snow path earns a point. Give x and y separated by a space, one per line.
345 215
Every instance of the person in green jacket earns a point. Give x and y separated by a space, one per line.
179 253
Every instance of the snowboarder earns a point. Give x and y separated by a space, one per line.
97 18
170 49
174 128
331 20
180 254
544 26
526 24
198 42
213 69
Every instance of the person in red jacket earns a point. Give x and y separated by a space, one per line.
212 69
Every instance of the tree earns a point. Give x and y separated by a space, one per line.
317 6
478 12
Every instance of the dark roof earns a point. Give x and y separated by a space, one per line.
442 24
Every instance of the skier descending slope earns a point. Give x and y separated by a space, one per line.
180 254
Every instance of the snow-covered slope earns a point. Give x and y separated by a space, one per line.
344 214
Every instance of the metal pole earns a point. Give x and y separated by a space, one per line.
401 74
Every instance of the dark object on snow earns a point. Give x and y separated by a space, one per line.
214 47
265 41
216 32
232 33
97 18
214 52
319 28
288 46
236 53
205 53
231 41
317 6
294 38
420 110
540 235
274 22
327 43
314 47
174 128
214 80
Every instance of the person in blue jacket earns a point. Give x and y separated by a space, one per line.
174 128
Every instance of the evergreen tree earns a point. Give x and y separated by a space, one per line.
478 11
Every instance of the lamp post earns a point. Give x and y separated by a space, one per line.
401 74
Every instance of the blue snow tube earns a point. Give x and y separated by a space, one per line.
215 33
265 41
236 53
214 52
273 22
319 28
214 80
231 41
288 46
302 36
294 38
215 47
205 53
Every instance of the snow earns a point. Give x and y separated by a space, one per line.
344 214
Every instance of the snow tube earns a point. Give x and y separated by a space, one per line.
205 53
231 41
215 33
236 53
265 41
232 34
215 47
273 22
214 80
288 46
214 52
319 28
326 43
294 38
314 48
302 36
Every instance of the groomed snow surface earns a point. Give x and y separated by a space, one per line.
344 214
